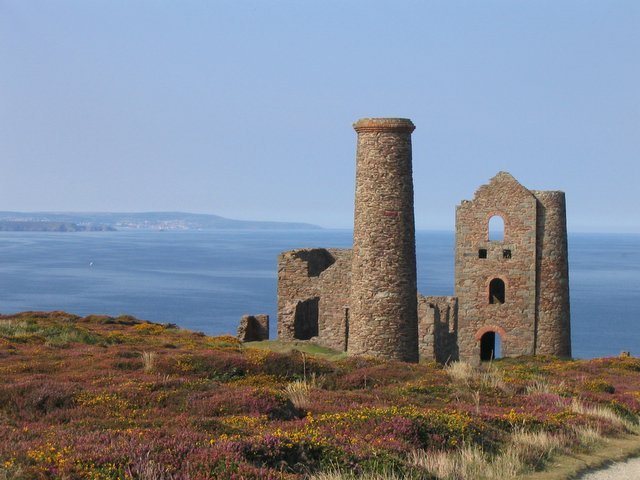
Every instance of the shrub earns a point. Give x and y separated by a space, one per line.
215 365
600 412
524 451
53 335
628 363
147 328
587 437
145 467
377 375
127 320
241 400
127 354
128 365
225 341
460 372
599 385
491 378
539 386
283 365
33 398
8 471
533 448
299 393
623 412
101 319
376 469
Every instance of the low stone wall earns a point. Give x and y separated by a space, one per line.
438 328
254 328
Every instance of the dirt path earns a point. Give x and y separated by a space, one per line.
616 450
629 470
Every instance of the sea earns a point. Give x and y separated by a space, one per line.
206 280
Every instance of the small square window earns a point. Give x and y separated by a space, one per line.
482 253
506 253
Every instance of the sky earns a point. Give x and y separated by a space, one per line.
245 108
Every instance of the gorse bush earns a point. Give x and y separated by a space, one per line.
599 385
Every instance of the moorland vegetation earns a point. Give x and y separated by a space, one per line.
109 398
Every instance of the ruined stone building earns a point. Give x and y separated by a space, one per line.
511 286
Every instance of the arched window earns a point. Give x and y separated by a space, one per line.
490 346
496 228
496 291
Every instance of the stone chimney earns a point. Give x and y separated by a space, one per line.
383 319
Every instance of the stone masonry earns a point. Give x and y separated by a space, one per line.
313 295
513 317
438 328
552 274
254 328
511 289
383 318
516 286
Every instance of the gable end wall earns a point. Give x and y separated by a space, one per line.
505 197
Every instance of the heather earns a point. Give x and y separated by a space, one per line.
108 398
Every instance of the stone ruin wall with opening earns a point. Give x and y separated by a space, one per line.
321 277
438 328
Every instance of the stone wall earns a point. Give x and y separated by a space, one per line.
383 319
254 328
552 289
313 295
512 261
438 328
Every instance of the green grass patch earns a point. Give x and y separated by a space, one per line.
26 331
281 346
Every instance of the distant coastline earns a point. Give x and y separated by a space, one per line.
46 226
112 221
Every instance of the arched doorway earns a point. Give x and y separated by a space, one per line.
490 346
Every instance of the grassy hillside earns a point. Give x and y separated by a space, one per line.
110 398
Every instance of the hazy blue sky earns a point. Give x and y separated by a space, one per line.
244 108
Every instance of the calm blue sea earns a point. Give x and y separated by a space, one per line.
205 280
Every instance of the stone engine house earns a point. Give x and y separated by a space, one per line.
511 278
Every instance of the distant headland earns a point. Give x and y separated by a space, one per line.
110 221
